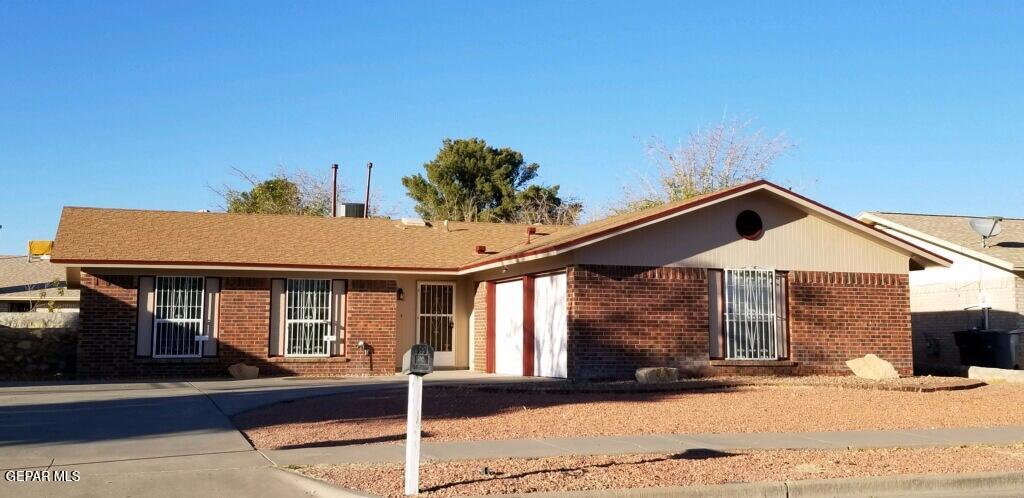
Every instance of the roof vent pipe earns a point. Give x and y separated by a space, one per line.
334 192
369 169
481 249
529 233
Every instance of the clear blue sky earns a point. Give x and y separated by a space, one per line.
911 106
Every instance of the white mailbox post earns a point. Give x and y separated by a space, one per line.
416 363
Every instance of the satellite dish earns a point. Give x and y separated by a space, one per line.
987 227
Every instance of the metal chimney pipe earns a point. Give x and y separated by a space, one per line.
366 206
334 192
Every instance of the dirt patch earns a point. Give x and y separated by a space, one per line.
695 467
921 384
454 415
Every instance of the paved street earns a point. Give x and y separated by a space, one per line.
168 437
176 438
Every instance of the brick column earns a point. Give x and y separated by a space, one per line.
109 316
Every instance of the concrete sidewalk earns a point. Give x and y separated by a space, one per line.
668 443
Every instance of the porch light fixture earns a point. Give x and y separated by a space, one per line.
400 294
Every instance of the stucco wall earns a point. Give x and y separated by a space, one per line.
939 298
793 240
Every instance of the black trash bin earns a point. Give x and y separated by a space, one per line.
989 348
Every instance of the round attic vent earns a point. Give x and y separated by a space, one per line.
749 225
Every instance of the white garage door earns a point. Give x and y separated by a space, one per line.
508 328
550 331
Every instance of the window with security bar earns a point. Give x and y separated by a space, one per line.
754 314
308 318
178 317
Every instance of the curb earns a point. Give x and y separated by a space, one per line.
971 484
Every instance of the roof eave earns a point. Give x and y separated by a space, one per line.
873 219
188 265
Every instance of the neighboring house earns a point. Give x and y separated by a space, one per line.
751 279
944 300
22 281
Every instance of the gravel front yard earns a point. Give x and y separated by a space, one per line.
656 470
451 415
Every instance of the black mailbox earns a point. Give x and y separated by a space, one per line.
419 360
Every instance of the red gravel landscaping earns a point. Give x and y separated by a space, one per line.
453 414
698 467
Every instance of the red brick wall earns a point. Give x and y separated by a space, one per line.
373 318
108 317
838 316
623 318
244 320
480 328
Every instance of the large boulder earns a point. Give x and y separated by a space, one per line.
872 367
242 371
656 375
993 375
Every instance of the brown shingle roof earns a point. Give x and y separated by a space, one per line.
97 236
120 236
1007 246
578 233
21 279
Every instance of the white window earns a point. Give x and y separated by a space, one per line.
178 317
754 315
308 318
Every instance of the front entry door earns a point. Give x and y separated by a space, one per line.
435 320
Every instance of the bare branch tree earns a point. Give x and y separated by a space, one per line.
709 159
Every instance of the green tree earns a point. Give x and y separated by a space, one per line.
472 181
284 193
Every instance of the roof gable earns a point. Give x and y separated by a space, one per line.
579 236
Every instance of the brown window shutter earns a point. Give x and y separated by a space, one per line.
338 317
716 314
277 316
782 314
144 327
211 307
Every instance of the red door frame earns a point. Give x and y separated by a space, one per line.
528 342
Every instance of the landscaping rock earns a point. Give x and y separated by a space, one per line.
242 371
991 375
872 367
657 375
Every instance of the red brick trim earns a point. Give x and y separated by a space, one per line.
528 328
490 326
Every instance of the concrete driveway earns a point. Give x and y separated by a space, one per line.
157 438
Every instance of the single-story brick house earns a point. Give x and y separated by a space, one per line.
947 299
754 278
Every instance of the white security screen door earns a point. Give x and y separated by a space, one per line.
435 319
178 317
508 328
551 337
308 318
750 315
